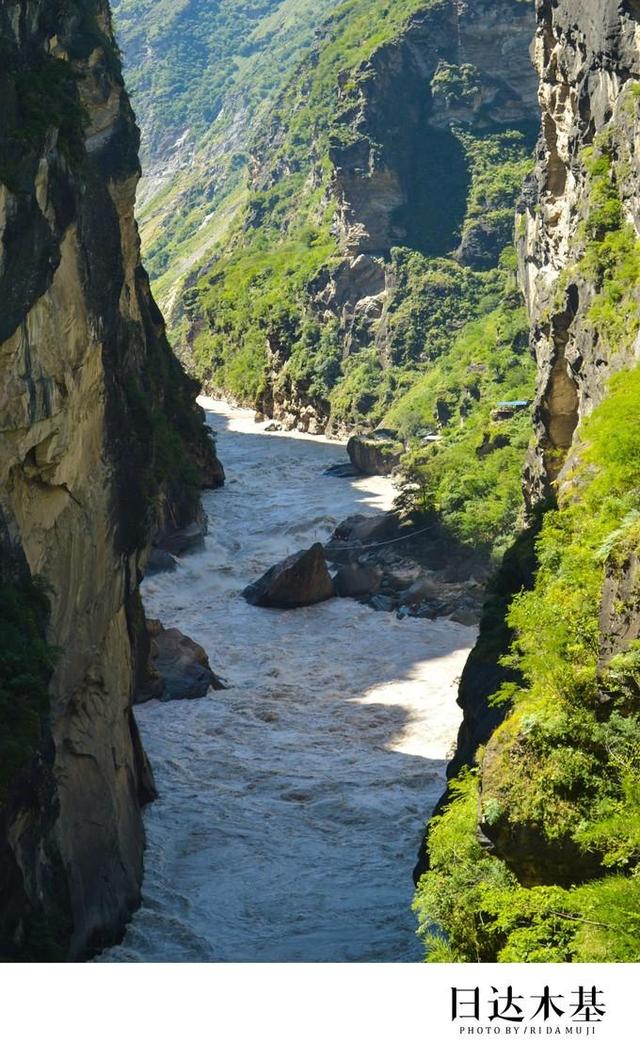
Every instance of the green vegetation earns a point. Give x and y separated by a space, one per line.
499 164
470 478
186 57
558 787
39 91
611 257
453 338
205 75
564 769
488 916
40 94
455 346
26 663
259 295
265 336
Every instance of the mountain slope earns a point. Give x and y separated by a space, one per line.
375 239
536 856
201 73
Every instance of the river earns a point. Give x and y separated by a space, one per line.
292 803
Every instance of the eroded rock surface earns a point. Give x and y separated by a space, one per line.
101 449
393 157
588 76
374 455
583 333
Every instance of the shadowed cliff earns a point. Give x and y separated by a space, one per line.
102 449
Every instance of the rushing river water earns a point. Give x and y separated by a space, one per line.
291 804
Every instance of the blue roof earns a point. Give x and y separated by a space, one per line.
514 404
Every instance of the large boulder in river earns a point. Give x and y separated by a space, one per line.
181 665
358 581
376 453
351 536
300 581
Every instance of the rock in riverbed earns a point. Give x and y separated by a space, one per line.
299 581
182 541
375 454
160 562
182 666
358 581
358 530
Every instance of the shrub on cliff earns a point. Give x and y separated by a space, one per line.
562 773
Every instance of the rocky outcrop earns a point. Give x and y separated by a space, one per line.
456 62
588 85
578 225
358 580
588 77
414 573
374 454
180 540
101 449
587 89
357 530
620 607
178 667
299 581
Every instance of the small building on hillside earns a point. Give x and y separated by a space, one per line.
508 409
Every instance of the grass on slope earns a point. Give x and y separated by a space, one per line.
207 70
471 477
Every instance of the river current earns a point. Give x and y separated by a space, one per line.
292 803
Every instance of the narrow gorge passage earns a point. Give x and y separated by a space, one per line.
291 804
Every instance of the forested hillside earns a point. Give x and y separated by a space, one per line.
329 227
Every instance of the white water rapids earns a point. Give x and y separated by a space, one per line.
291 804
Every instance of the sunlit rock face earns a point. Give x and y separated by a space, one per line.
88 385
588 68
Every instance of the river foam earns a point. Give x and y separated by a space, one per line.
291 803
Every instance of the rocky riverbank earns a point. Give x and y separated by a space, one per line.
322 755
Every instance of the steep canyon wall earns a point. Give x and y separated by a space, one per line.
101 449
547 843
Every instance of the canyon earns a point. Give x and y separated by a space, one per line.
414 229
291 802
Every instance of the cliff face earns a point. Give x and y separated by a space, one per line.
582 193
101 448
546 827
402 177
372 282
401 152
588 69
